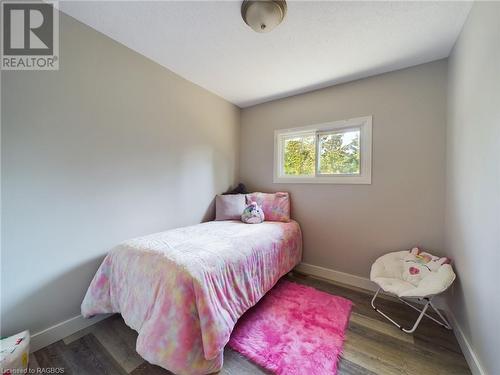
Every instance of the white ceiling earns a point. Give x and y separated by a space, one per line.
318 44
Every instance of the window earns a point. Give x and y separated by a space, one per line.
337 152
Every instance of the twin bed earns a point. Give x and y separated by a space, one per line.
184 289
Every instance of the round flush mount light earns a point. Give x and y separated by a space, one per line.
263 15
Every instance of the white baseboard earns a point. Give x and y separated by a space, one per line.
365 283
337 276
469 353
61 330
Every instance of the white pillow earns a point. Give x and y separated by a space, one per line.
229 207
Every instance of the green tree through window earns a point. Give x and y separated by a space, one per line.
299 156
339 153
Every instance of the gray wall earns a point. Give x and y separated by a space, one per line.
473 181
347 226
110 147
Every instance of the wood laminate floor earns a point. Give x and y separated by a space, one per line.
372 346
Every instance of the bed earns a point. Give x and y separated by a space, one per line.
184 289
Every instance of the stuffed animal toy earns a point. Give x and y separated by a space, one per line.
14 353
252 214
419 264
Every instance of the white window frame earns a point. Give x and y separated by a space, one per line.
364 124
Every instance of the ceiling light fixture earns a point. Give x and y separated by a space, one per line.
263 15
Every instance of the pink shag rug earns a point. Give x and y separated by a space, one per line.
294 329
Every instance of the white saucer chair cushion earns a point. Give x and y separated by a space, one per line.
412 274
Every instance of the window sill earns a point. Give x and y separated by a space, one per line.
354 180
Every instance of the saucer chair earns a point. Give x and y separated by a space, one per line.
412 275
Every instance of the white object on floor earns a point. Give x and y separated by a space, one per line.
412 274
14 353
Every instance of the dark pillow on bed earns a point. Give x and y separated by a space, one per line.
240 189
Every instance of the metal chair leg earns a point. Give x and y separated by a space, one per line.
423 313
445 322
381 312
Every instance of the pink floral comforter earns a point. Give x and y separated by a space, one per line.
184 289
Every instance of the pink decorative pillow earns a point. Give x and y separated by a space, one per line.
229 207
276 206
